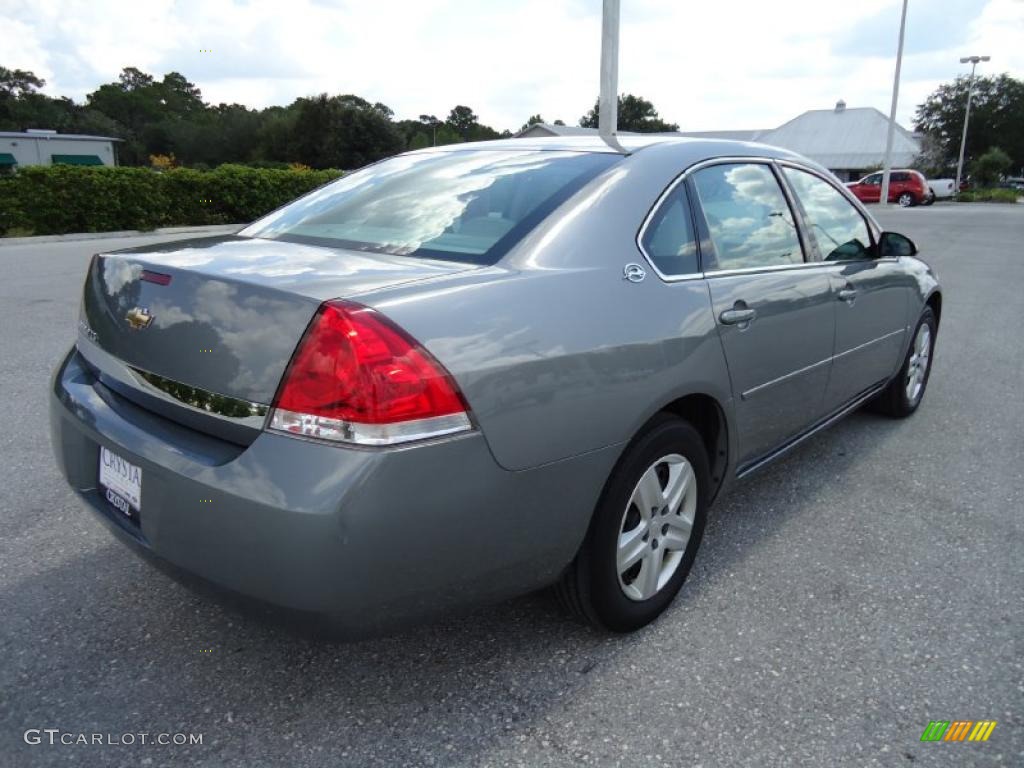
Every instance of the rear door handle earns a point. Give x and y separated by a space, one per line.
847 294
737 316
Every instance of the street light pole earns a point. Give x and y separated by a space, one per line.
967 116
887 164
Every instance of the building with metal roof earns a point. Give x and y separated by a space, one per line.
543 130
46 147
846 141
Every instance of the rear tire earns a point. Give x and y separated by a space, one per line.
904 393
906 200
645 532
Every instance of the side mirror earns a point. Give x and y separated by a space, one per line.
892 244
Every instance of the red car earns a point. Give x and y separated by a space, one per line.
906 187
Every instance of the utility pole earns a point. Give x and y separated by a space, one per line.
967 116
887 164
608 102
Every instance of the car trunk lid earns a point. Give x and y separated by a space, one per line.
201 331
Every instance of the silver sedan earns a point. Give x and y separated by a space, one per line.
473 371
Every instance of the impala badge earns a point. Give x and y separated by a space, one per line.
138 318
634 273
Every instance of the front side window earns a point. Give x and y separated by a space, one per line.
748 217
464 205
668 239
874 179
838 228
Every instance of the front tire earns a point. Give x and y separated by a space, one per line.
646 530
904 393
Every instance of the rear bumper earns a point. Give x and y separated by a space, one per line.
371 538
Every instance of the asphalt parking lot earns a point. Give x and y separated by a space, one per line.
867 584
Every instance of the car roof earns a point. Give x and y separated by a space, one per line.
694 148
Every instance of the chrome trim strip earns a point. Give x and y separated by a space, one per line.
828 421
341 432
812 366
783 377
869 343
231 410
770 268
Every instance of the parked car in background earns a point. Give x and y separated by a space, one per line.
1012 182
942 188
906 187
471 371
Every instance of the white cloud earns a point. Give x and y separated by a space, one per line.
727 64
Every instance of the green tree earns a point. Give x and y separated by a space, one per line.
990 167
178 96
339 132
420 140
276 133
15 83
635 114
997 114
532 120
22 106
462 119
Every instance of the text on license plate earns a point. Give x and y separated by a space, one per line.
123 478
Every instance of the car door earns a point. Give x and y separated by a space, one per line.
870 188
871 294
774 311
899 182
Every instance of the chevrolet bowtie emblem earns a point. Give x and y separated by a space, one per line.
138 318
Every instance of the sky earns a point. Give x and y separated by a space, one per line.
718 64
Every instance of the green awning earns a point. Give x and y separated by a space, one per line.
6 158
77 160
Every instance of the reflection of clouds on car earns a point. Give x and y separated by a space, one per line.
748 217
430 206
754 182
840 231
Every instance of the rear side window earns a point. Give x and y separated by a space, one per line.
748 217
900 176
465 205
838 228
668 238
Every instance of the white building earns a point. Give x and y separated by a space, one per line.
846 141
39 147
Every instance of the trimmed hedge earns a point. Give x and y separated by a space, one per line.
58 199
989 196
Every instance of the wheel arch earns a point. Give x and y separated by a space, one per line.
707 416
934 301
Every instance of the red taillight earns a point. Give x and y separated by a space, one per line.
356 377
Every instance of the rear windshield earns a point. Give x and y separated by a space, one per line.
471 205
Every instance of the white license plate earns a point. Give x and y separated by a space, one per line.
121 481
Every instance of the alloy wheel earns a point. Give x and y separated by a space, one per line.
656 526
917 365
906 200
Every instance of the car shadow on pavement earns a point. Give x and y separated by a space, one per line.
116 646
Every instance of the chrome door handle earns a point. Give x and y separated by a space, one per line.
737 316
847 294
